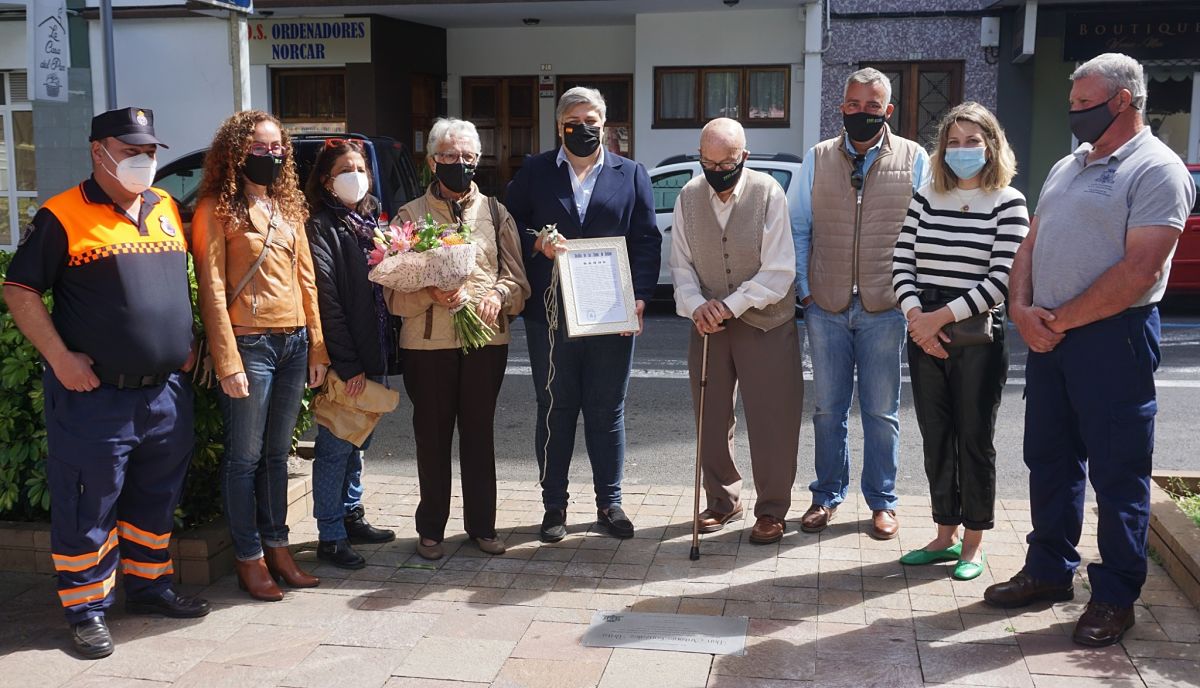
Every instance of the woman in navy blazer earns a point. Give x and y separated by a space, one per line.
586 192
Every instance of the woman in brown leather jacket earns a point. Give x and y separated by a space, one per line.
258 301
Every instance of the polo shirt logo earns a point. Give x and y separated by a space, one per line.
167 227
1103 185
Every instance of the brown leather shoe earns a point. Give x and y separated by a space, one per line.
1022 589
254 578
280 563
767 529
711 521
1102 624
884 525
817 518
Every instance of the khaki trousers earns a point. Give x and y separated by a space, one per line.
767 368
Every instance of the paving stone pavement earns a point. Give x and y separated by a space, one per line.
831 609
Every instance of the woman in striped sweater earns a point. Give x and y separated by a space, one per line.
951 264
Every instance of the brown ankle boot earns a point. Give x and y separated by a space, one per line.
254 578
280 563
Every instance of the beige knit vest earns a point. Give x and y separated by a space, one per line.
725 258
847 247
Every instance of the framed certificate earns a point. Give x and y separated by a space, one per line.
597 287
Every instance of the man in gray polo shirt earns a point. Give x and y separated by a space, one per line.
1083 291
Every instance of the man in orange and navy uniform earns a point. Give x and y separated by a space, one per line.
118 406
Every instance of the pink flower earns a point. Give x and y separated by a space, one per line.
376 256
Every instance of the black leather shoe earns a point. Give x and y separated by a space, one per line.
362 533
615 521
1102 624
1022 590
92 639
554 525
168 604
340 554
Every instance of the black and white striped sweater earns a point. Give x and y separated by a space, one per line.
943 247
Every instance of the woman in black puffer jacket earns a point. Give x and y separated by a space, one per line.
361 338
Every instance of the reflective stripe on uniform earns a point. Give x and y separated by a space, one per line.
145 538
146 570
88 593
83 562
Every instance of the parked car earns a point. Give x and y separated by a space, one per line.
671 174
1185 266
391 166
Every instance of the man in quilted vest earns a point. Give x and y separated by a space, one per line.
733 266
854 193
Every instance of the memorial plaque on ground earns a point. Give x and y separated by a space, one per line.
714 635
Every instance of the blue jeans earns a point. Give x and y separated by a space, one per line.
337 482
1090 405
839 343
591 374
258 439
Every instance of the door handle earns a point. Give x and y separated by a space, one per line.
667 229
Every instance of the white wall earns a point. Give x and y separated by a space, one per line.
728 37
521 51
12 45
179 68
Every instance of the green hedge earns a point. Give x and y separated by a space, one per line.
23 492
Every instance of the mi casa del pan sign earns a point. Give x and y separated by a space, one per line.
1147 35
302 41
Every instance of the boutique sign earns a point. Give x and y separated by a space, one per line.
1149 35
315 42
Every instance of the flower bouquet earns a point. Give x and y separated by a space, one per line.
411 256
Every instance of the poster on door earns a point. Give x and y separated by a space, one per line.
51 49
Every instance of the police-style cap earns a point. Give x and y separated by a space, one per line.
129 125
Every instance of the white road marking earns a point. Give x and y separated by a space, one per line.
682 374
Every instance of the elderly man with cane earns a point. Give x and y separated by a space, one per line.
733 265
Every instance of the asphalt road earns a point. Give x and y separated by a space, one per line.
661 435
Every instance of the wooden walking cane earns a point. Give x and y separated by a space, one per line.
695 553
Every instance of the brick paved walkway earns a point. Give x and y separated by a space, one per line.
826 610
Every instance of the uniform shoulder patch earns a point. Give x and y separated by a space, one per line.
26 233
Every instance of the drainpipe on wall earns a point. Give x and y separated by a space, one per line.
816 14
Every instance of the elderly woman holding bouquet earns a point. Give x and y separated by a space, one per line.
452 381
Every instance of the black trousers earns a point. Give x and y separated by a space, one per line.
449 388
957 400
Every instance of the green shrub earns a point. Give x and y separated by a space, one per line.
23 492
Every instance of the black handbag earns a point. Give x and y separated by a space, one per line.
971 331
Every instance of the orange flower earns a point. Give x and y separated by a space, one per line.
453 240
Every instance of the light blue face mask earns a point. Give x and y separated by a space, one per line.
965 163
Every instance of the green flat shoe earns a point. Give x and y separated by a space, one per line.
920 557
969 570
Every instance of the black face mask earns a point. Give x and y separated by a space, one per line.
581 139
724 180
262 169
862 126
1090 124
455 176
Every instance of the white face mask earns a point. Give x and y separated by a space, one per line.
350 187
136 174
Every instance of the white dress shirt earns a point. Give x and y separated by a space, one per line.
777 256
582 190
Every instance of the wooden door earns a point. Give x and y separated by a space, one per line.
424 113
505 111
